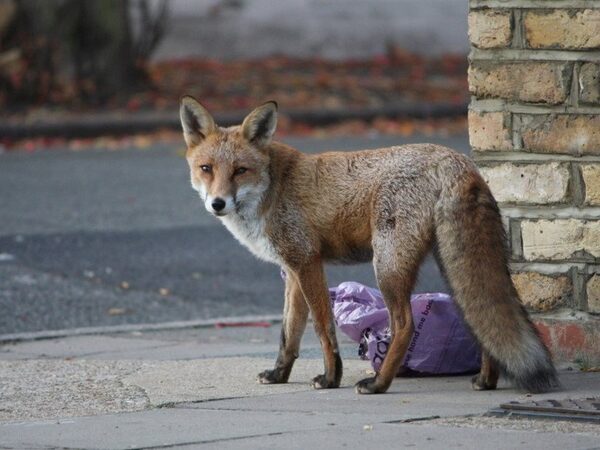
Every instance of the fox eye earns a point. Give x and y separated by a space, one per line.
240 170
206 168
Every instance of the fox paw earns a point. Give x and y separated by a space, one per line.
368 386
479 383
321 382
273 376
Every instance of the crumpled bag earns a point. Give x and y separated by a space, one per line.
441 343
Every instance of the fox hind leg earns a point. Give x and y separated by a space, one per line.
295 314
396 271
487 378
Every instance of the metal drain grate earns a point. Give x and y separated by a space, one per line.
582 409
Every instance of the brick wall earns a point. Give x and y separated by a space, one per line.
534 127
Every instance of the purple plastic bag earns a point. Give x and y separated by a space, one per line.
441 344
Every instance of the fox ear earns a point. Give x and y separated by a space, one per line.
196 121
259 125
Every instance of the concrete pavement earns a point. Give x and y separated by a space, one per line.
196 388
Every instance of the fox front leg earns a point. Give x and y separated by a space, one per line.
295 314
311 278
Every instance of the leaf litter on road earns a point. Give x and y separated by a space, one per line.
397 77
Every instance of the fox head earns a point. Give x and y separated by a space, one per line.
229 167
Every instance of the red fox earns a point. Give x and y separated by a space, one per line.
391 206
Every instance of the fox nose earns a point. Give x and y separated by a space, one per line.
218 204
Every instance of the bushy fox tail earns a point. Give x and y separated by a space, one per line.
472 250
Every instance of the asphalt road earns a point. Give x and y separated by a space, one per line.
104 238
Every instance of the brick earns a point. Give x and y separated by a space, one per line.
542 293
589 82
489 131
591 179
562 29
569 339
560 239
534 82
563 133
593 294
490 29
528 184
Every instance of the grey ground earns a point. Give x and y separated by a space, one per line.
196 388
108 238
75 227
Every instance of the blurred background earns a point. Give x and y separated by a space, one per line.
98 223
351 63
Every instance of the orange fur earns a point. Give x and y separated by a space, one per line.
388 205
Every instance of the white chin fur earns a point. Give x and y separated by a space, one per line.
248 227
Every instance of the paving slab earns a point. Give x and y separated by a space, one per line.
410 397
226 378
206 342
111 347
421 437
67 392
51 389
58 388
165 427
97 346
406 399
193 428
